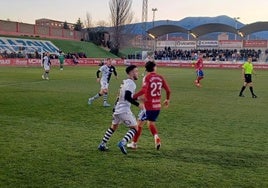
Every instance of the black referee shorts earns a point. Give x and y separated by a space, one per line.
248 78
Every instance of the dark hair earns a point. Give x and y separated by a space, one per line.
130 68
149 66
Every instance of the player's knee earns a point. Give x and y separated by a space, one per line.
114 127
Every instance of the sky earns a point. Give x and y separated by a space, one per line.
27 11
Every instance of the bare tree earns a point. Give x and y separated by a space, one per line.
121 15
88 21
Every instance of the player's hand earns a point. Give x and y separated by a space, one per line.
141 106
166 103
141 98
98 79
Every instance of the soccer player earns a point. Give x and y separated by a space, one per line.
151 91
122 112
247 71
46 64
199 70
106 72
61 59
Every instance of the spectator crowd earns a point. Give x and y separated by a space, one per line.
209 54
37 55
165 54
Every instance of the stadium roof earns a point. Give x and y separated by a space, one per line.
211 28
208 28
253 28
165 29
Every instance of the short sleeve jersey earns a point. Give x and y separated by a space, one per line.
199 64
151 88
106 72
61 58
46 61
123 105
248 67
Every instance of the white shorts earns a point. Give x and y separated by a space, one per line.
47 68
127 118
104 85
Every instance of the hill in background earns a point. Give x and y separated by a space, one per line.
90 49
191 22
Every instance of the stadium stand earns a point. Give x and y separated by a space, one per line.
217 55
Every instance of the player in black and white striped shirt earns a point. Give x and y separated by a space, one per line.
106 73
122 112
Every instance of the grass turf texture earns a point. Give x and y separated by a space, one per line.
210 136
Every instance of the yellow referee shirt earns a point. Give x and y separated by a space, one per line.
248 67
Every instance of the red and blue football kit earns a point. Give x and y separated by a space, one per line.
198 67
151 89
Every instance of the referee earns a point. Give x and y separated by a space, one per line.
247 70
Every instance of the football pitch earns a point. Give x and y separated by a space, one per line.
210 136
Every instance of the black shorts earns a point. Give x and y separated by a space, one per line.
248 78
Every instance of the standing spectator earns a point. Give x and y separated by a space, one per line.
199 70
106 72
151 90
75 59
247 70
122 112
61 60
46 64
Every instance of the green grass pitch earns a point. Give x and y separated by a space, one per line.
210 136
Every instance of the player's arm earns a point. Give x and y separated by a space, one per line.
243 72
138 94
43 61
98 75
168 92
115 73
254 72
129 98
142 91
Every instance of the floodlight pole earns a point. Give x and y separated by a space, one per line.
236 20
154 10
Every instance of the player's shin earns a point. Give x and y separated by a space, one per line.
137 135
153 128
105 97
129 135
107 135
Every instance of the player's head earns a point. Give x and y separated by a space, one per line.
249 59
132 72
150 66
108 62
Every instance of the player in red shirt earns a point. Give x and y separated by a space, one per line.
151 93
199 72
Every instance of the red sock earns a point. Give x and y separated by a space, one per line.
153 128
199 78
137 135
